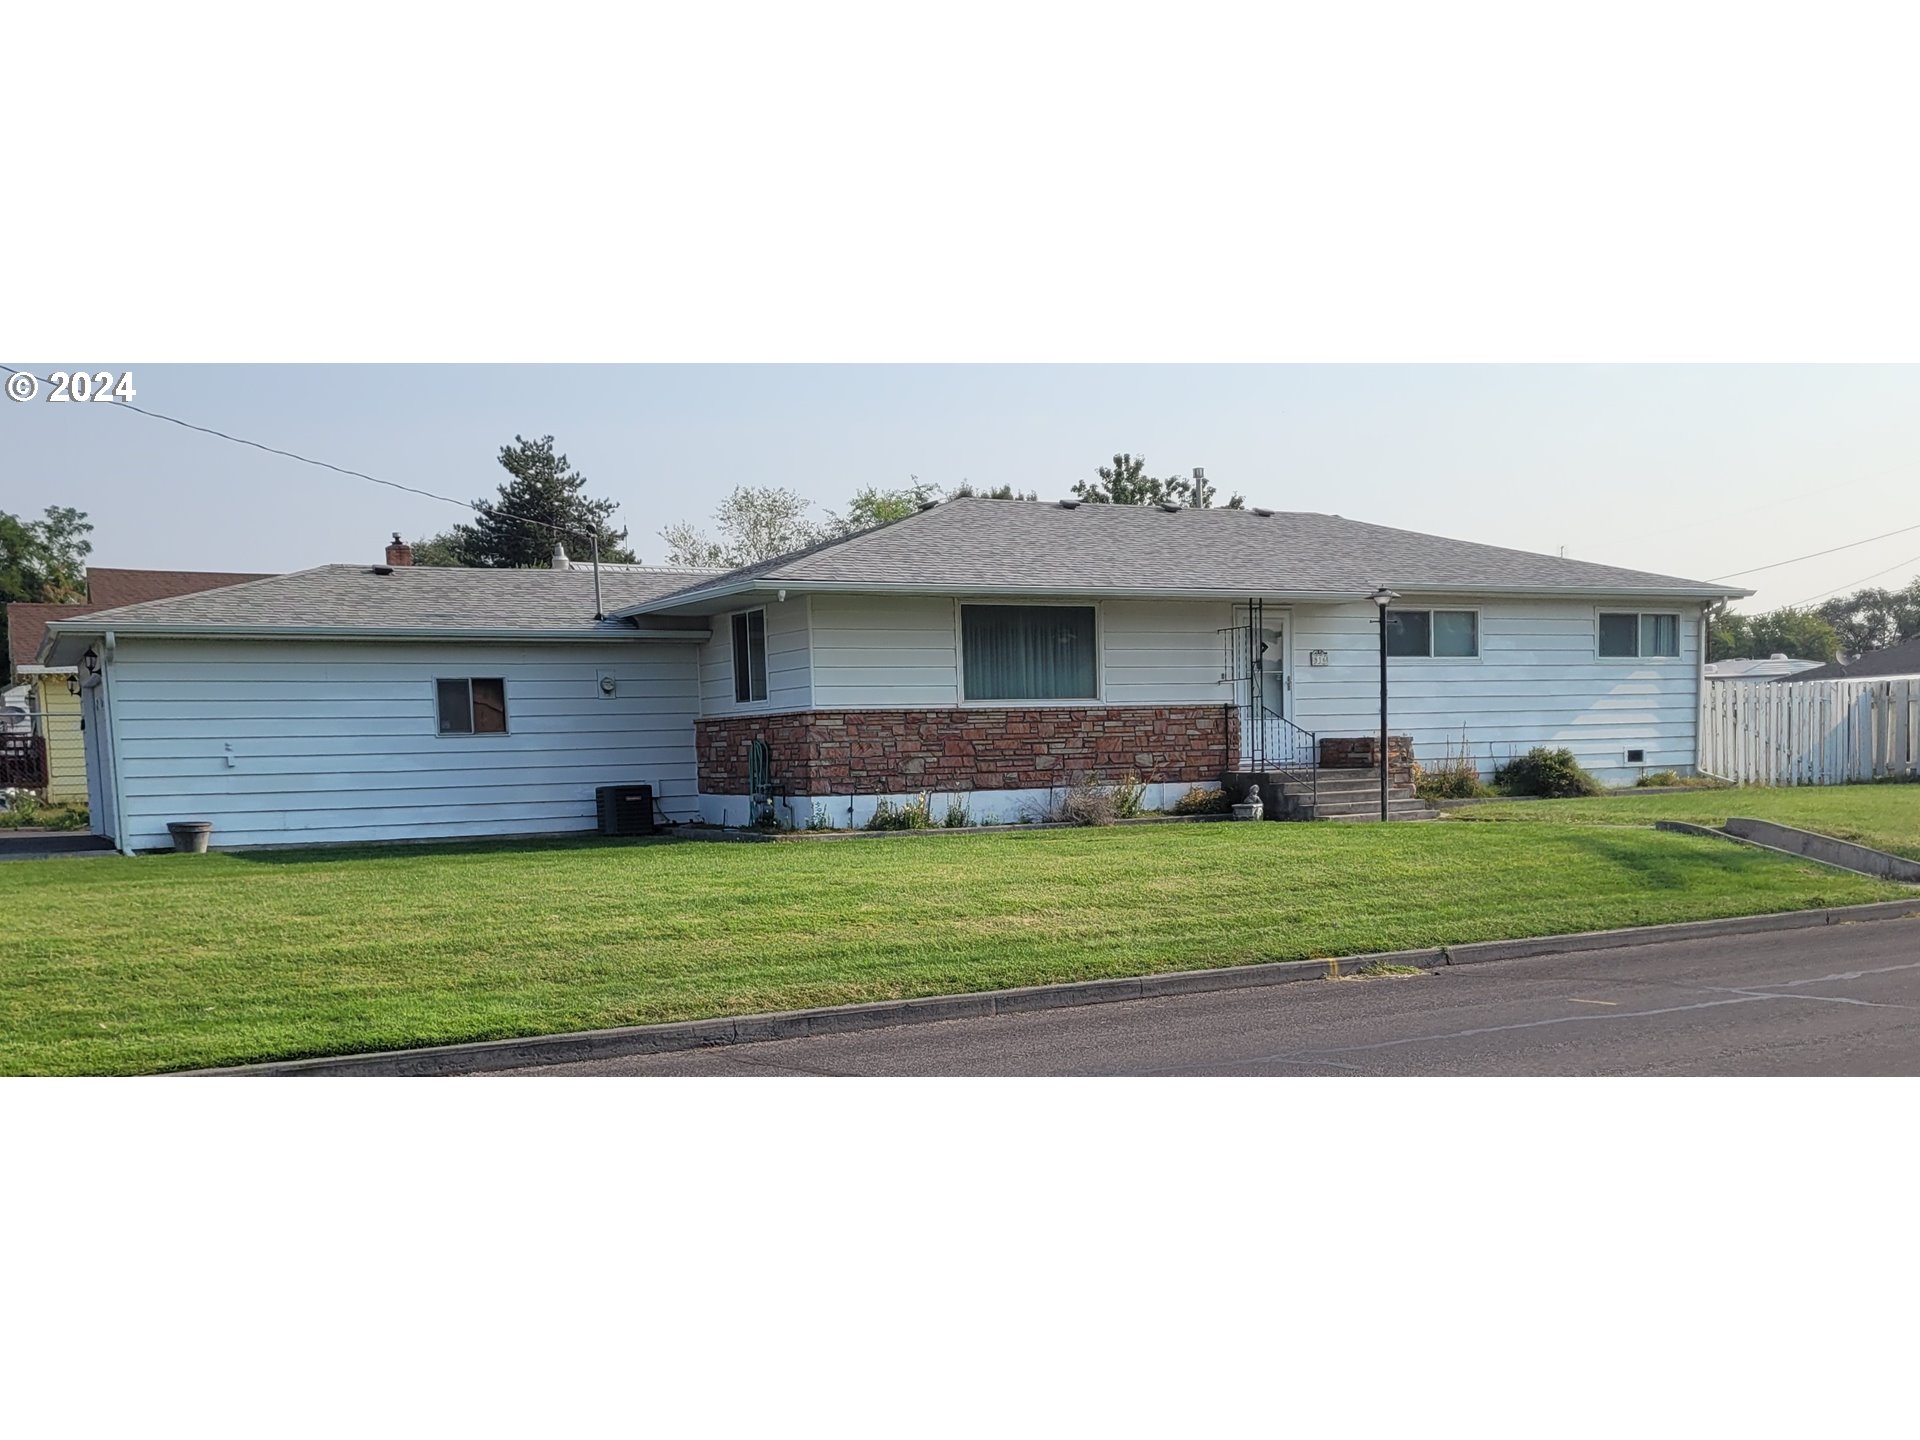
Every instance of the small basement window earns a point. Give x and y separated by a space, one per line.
1028 652
749 656
1630 635
472 707
1434 634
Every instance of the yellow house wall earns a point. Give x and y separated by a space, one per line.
66 747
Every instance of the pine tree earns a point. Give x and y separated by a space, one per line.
517 528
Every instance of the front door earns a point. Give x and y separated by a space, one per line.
1258 668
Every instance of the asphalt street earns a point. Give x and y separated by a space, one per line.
1837 1000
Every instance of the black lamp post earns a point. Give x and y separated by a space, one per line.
1383 597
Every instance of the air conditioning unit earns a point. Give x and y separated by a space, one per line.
625 809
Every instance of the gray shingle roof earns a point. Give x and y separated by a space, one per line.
408 597
975 543
1901 659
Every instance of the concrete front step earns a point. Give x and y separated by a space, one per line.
1395 806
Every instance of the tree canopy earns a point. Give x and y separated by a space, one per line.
1800 634
42 560
542 501
1126 482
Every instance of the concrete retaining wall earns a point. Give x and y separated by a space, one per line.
1825 848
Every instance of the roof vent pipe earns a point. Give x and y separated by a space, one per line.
560 561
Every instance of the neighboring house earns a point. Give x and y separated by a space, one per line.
991 649
57 763
1774 667
1895 662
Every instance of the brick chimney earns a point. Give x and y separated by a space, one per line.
399 552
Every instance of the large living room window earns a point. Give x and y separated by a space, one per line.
1028 652
749 656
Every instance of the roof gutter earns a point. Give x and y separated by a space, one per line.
768 585
59 629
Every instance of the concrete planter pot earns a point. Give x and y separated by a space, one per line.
1251 810
190 836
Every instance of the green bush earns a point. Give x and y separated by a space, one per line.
908 815
1202 801
1659 779
1552 774
26 811
958 817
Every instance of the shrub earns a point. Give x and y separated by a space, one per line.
907 815
1087 804
1661 778
1548 773
25 810
820 819
1202 801
1455 777
957 816
1129 796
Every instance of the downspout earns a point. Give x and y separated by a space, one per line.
121 840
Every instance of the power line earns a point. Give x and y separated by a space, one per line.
1850 545
478 508
1911 560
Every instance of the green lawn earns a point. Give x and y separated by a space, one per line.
165 962
1886 817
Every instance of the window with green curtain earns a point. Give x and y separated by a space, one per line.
1028 652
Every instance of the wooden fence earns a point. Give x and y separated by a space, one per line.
1817 732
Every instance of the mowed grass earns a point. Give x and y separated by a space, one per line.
1886 817
119 966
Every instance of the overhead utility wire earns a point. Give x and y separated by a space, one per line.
1910 560
1850 545
478 508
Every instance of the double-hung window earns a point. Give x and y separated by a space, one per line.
476 706
1631 635
749 656
1434 634
1028 652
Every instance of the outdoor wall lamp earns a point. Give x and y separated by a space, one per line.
90 661
1383 597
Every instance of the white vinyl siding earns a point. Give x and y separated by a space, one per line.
306 742
885 651
789 682
882 652
1165 652
1538 681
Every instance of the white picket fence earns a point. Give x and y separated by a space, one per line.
1817 732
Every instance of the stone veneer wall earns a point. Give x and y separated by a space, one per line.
893 752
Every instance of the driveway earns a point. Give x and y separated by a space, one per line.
1837 1000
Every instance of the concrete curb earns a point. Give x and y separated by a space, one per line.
479 1055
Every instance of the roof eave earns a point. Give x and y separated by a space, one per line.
83 627
710 598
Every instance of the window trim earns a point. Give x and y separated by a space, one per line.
1479 636
1639 632
1099 697
506 708
735 617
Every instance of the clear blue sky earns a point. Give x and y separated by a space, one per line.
1690 470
